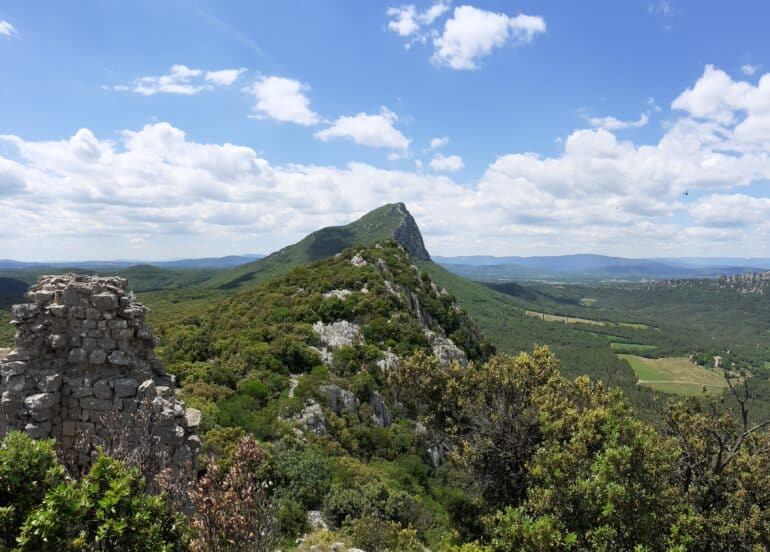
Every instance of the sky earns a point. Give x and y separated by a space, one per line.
196 128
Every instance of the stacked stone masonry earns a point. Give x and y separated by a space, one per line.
83 351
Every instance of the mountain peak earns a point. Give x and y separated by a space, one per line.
391 221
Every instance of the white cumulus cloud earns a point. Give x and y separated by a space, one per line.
7 29
373 130
439 142
447 163
283 100
749 69
612 123
181 79
407 21
156 189
472 33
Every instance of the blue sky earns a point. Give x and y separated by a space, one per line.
192 128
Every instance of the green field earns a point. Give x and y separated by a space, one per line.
567 319
675 375
586 302
631 348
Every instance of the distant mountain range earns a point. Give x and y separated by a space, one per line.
393 221
587 267
208 262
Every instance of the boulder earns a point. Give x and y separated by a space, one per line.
313 419
340 400
380 411
337 334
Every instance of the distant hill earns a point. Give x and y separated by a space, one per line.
207 262
587 267
389 222
11 287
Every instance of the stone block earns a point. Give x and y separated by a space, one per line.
106 342
38 430
125 387
102 389
69 428
82 391
60 311
13 368
77 355
89 344
97 356
50 383
58 341
104 301
120 358
92 403
39 401
78 313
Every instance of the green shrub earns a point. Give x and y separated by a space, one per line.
342 504
106 510
303 475
28 470
292 517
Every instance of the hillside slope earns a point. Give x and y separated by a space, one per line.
389 222
302 362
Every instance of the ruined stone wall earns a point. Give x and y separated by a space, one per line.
83 351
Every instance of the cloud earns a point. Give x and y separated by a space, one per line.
283 100
665 10
598 193
738 111
181 80
749 69
406 21
376 131
611 123
731 210
7 29
223 77
471 34
439 142
447 163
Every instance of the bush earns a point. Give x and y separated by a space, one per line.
291 516
375 535
303 475
28 470
106 510
342 504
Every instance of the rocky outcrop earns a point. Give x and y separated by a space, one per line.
437 446
408 234
388 362
83 351
340 400
445 349
337 334
312 418
380 411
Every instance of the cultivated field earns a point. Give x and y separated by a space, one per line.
631 348
676 375
567 319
